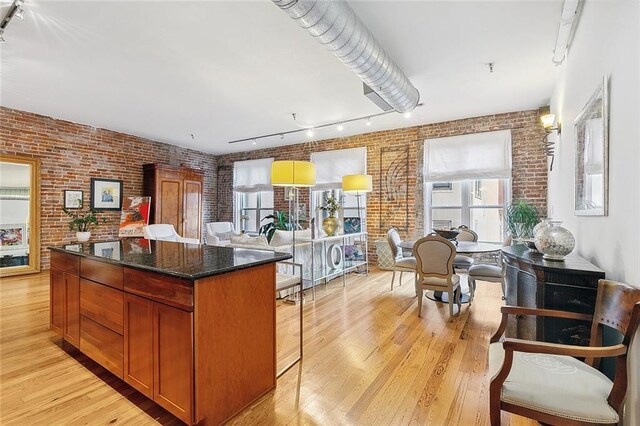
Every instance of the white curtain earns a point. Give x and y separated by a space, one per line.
332 165
594 146
476 156
252 175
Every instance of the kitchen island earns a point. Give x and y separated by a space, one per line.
192 327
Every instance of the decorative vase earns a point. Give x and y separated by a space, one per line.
330 226
83 236
544 223
554 241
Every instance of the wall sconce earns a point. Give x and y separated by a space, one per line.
548 121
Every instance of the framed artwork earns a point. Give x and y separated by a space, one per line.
72 199
592 154
108 249
13 237
134 216
352 225
106 194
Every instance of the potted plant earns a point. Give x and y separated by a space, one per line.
82 221
521 218
330 224
280 222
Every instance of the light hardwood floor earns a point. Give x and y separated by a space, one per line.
368 360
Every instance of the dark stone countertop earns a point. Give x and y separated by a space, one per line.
572 262
188 261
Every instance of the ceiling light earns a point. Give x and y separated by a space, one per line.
340 127
407 114
254 142
310 133
369 121
569 17
19 13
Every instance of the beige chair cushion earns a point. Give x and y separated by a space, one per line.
554 384
462 262
407 262
485 271
248 240
440 282
284 281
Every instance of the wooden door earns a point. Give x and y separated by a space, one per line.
192 209
138 343
170 203
56 309
72 309
173 360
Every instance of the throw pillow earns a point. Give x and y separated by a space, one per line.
225 236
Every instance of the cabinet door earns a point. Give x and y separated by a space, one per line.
192 209
72 309
56 302
173 360
138 343
170 203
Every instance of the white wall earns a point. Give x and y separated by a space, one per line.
606 42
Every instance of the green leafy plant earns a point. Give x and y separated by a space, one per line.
83 220
521 217
280 222
331 205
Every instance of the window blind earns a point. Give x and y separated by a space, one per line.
332 165
475 156
252 175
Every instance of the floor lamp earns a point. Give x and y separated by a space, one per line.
293 175
358 185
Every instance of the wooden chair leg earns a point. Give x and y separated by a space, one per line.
415 283
504 293
393 277
494 409
400 279
419 293
459 300
451 296
472 288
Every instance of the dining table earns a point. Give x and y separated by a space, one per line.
462 247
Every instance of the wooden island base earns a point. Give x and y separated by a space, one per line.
202 348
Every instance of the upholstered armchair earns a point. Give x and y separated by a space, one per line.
219 233
548 382
166 232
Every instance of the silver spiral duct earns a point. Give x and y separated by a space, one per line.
335 25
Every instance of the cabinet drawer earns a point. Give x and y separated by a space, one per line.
102 345
161 288
102 304
101 272
65 262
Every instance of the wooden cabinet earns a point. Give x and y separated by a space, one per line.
64 313
159 354
532 282
176 197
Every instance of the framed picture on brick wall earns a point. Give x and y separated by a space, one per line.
106 194
72 199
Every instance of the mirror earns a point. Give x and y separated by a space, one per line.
19 215
592 152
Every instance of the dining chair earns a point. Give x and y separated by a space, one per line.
543 381
461 261
400 263
434 258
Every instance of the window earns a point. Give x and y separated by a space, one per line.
349 203
468 182
252 207
478 204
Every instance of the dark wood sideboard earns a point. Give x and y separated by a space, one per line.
533 282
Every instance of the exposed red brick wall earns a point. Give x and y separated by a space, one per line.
71 154
529 163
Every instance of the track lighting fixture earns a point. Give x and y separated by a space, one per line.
311 130
15 10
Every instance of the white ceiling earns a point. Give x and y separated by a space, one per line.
238 69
